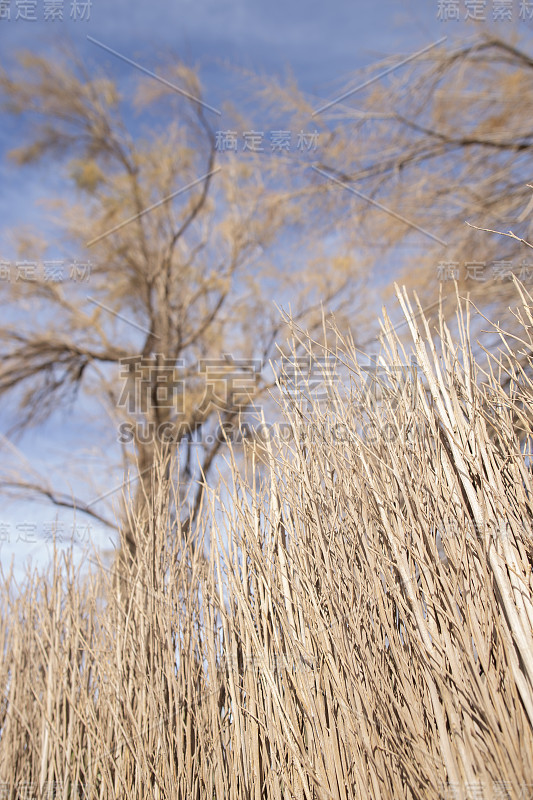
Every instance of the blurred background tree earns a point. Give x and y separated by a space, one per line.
431 147
191 242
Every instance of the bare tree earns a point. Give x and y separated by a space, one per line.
173 333
430 147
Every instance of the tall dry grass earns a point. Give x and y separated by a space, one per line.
353 619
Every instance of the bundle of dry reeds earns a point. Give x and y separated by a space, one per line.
353 618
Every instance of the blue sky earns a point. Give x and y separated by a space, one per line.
319 40
321 43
